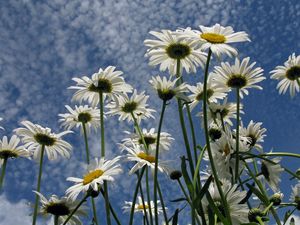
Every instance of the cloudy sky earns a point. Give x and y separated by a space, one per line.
43 44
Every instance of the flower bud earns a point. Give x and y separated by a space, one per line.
175 175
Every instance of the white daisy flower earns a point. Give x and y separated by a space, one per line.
86 115
288 75
271 172
107 81
35 136
240 75
150 139
214 93
295 196
254 133
142 158
140 207
61 208
168 49
10 149
217 38
167 89
98 172
238 212
124 106
226 111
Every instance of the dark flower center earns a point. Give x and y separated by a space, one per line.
200 96
222 112
252 140
129 107
265 171
166 95
5 154
236 81
104 86
214 134
44 139
178 51
148 139
58 209
84 117
293 73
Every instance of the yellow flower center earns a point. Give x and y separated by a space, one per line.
142 206
146 157
213 38
88 178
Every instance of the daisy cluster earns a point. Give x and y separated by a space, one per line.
229 179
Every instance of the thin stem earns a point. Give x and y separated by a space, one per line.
56 220
237 138
135 195
112 210
144 205
102 124
137 127
162 204
3 172
86 143
224 202
94 211
156 160
75 209
182 123
258 218
38 186
148 196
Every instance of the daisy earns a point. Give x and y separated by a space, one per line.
240 75
142 158
81 115
225 111
10 149
108 82
214 93
150 139
217 38
238 212
167 89
140 207
135 105
271 172
255 134
288 75
295 196
102 170
61 208
36 137
167 49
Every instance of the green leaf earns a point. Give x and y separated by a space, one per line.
248 195
186 175
286 216
202 192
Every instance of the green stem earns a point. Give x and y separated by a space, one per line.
144 205
135 195
148 196
258 218
75 209
56 220
137 127
38 186
86 143
224 202
182 123
112 210
156 160
102 124
94 211
162 204
237 138
3 172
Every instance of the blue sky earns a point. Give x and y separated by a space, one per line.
46 43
